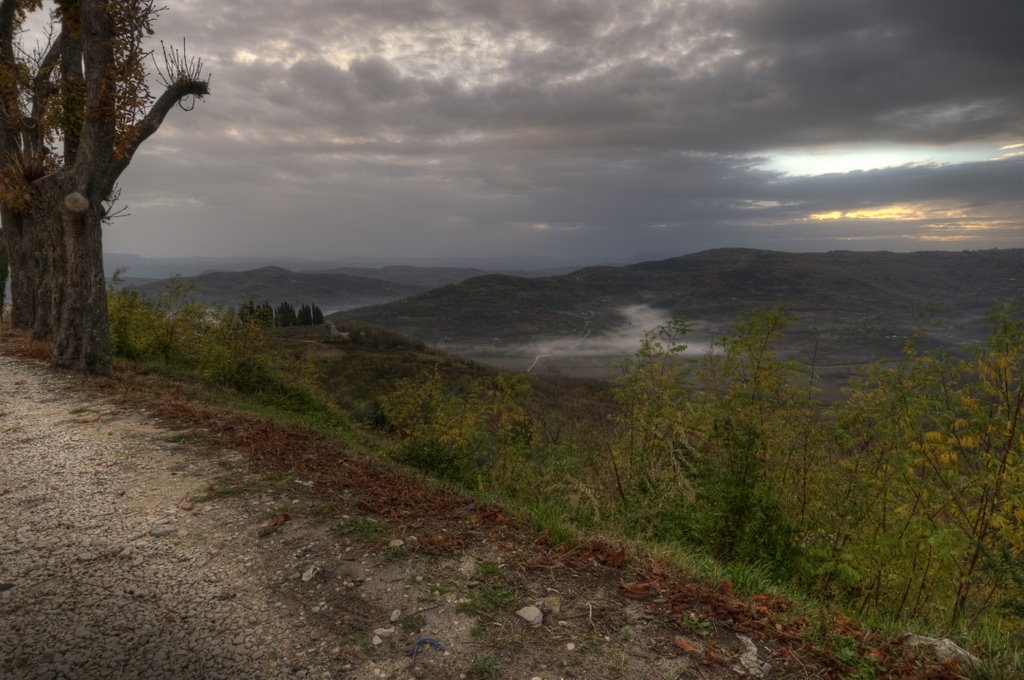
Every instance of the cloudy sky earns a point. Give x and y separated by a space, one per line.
601 130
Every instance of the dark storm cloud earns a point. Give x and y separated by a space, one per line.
578 124
734 76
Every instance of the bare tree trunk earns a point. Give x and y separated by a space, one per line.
3 277
26 257
36 231
81 338
21 296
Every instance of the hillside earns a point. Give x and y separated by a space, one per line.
422 277
863 304
251 546
329 290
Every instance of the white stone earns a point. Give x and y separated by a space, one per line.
532 616
748 658
943 648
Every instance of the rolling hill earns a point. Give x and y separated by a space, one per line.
331 291
856 305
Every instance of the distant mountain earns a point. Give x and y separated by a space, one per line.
447 270
331 291
852 303
138 267
422 277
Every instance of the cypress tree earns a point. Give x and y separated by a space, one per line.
305 316
285 315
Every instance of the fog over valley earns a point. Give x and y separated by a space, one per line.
589 354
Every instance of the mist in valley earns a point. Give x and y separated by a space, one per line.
588 355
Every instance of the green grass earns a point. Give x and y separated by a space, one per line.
413 623
176 438
486 601
696 624
361 529
549 519
80 410
483 667
489 570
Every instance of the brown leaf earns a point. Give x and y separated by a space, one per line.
273 525
639 591
687 647
279 520
616 559
54 487
25 440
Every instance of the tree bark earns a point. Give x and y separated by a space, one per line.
26 257
3 277
81 340
36 231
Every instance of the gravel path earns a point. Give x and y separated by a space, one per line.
105 570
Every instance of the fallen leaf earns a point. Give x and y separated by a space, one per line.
639 591
687 647
88 419
25 440
617 558
54 487
273 525
726 589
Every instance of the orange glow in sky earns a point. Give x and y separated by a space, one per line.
892 213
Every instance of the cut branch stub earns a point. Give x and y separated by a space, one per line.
76 202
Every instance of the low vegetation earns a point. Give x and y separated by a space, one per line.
902 504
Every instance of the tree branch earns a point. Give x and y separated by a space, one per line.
42 85
152 121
